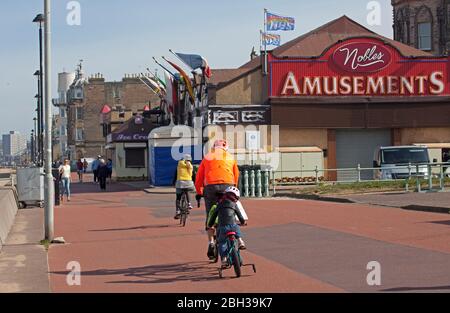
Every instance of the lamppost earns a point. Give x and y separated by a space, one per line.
40 19
50 192
34 141
39 116
47 116
32 147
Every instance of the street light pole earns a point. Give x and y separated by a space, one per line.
49 190
40 19
33 142
35 159
39 123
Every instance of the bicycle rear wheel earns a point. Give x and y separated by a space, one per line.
184 209
235 257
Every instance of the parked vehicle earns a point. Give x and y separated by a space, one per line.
393 162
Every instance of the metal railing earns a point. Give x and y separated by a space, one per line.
428 172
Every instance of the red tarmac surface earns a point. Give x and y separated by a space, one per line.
127 241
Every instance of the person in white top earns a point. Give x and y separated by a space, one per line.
65 171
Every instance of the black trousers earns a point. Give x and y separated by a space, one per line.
102 181
95 175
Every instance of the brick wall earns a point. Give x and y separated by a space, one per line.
129 93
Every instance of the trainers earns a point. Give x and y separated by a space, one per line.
224 262
190 206
210 253
241 244
177 215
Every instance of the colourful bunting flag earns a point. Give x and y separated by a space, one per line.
276 22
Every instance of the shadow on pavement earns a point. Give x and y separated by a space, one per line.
158 274
89 187
441 222
135 228
406 289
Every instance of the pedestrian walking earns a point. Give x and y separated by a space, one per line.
80 170
109 165
95 165
85 165
102 174
65 172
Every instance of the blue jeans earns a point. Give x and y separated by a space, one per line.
222 237
66 186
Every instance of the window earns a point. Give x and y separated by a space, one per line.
135 157
424 31
62 131
79 134
62 112
79 113
78 93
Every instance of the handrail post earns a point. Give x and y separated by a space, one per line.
418 178
359 173
273 183
317 175
409 177
430 177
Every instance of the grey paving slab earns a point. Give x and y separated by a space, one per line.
341 259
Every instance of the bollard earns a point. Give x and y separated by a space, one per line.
246 194
266 184
359 173
258 184
252 183
441 177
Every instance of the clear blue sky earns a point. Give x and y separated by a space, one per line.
121 36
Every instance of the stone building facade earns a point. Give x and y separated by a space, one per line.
423 24
87 97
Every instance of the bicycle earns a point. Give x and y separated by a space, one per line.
233 255
184 208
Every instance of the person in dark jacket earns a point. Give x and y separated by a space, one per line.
102 174
226 212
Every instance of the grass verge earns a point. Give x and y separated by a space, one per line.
45 243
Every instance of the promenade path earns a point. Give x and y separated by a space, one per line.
126 240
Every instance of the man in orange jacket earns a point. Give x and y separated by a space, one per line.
216 173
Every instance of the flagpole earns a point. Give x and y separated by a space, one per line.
170 50
260 40
265 43
149 87
172 74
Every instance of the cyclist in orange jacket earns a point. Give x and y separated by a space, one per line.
216 173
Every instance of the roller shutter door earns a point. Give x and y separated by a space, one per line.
355 147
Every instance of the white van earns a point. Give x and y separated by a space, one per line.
393 161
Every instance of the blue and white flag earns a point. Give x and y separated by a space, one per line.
271 39
276 22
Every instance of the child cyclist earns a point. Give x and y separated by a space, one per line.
224 214
184 182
